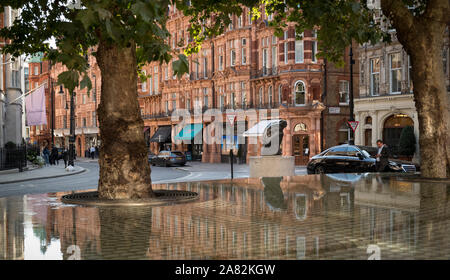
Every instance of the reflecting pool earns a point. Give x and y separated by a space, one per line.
336 216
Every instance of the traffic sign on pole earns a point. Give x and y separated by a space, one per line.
231 118
353 125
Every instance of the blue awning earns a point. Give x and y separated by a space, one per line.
189 131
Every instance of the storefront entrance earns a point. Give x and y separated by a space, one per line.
300 143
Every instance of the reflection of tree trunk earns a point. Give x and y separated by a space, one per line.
433 237
125 232
422 38
124 168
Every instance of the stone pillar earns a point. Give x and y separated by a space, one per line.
375 125
287 139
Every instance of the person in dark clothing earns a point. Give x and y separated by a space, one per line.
382 156
54 156
65 156
46 155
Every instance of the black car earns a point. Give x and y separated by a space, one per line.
351 159
169 158
151 157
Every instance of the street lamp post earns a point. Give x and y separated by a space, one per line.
351 141
72 130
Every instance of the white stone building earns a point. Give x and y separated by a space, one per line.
386 102
12 86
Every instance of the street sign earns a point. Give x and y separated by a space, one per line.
231 118
353 125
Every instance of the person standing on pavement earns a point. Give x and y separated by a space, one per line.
45 155
382 156
92 152
54 156
65 156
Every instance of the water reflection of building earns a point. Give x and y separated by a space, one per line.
11 228
304 217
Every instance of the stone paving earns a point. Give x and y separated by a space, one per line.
338 216
50 171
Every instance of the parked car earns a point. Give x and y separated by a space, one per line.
351 159
151 157
169 158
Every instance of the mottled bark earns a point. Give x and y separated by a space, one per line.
423 38
124 168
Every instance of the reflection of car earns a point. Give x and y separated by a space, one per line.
351 159
168 158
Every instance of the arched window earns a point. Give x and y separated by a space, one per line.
299 93
300 127
269 94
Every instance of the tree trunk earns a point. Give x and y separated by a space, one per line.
422 37
431 99
124 168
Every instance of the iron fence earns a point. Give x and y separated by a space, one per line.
13 157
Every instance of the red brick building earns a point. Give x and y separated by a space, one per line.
247 68
39 74
86 123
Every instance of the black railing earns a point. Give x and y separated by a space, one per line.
264 72
13 157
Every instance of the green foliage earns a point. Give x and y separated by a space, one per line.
77 31
407 143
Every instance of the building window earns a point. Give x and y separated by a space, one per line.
205 67
222 101
395 73
368 120
36 70
410 84
205 97
94 119
84 98
300 93
264 61
343 92
65 121
155 76
260 96
233 58
188 104
166 73
285 52
270 96
243 95
84 122
274 59
167 106
144 84
279 94
240 21
375 76
220 62
314 51
299 51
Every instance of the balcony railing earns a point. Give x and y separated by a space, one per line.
264 72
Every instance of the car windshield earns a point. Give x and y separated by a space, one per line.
365 153
177 153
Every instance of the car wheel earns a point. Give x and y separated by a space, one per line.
319 170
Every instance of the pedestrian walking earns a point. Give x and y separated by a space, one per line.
92 152
382 156
46 155
54 156
65 156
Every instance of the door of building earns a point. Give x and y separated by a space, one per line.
301 148
368 137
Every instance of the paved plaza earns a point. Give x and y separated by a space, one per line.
336 216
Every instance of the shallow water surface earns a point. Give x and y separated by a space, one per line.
336 216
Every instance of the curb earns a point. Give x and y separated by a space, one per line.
47 177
